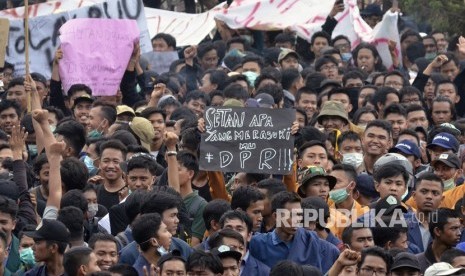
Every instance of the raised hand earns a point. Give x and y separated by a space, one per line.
56 149
171 139
40 115
17 141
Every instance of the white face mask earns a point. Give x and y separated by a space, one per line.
354 159
92 209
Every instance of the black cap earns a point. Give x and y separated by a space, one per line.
366 185
37 77
225 251
388 204
83 98
449 159
173 255
405 260
51 230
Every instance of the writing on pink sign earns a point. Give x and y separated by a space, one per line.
96 53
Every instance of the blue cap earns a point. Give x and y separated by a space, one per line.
366 185
445 140
407 147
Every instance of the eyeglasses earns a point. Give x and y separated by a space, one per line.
371 271
328 67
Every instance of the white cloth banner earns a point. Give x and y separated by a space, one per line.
351 24
50 16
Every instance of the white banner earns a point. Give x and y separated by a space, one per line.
43 29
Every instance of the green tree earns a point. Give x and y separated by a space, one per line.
445 15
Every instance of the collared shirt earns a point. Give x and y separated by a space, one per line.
425 235
244 261
141 261
305 248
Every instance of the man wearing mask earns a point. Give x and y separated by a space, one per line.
447 167
350 149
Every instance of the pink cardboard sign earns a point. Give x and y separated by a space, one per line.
96 53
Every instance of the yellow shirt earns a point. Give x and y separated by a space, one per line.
450 198
340 218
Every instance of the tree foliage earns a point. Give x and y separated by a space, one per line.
444 15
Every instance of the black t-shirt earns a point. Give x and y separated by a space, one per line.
106 198
204 191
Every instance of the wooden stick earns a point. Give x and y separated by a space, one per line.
26 47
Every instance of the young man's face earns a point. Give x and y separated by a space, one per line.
445 172
395 186
8 119
318 44
7 224
173 267
308 102
448 90
106 253
209 60
330 70
42 252
160 45
394 81
315 155
364 93
373 263
351 146
351 83
255 213
197 106
235 245
428 195
290 62
239 226
230 267
376 141
170 218
417 118
441 113
251 66
361 239
109 164
293 218
140 179
398 123
450 234
450 70
342 98
92 265
318 186
18 94
95 119
185 175
158 123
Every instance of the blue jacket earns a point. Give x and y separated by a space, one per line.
305 248
414 233
129 254
254 267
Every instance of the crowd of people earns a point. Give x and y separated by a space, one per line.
111 185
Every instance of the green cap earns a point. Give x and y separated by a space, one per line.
312 172
333 108
285 52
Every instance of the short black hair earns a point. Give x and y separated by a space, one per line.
381 236
39 162
189 161
381 94
411 132
123 269
74 198
305 90
133 203
159 202
285 38
101 237
73 133
274 90
324 60
396 73
349 170
272 186
113 144
381 124
310 144
439 218
253 58
218 77
204 48
394 108
169 39
440 99
143 162
15 82
236 39
197 95
339 91
58 113
286 267
347 233
74 174
107 110
353 74
5 104
74 258
390 170
290 76
244 196
347 135
144 228
377 252
149 111
216 239
450 254
214 210
235 91
78 87
205 260
322 34
428 176
282 198
73 218
8 206
239 215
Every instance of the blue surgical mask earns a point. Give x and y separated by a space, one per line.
89 162
346 56
26 256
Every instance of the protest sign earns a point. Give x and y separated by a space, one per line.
4 30
43 29
253 140
160 61
96 52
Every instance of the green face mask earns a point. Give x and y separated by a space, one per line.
449 184
27 257
339 195
94 134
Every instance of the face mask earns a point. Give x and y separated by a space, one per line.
346 57
162 251
248 38
32 149
405 194
449 184
26 256
339 195
430 56
94 134
89 162
92 209
53 128
251 76
354 159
